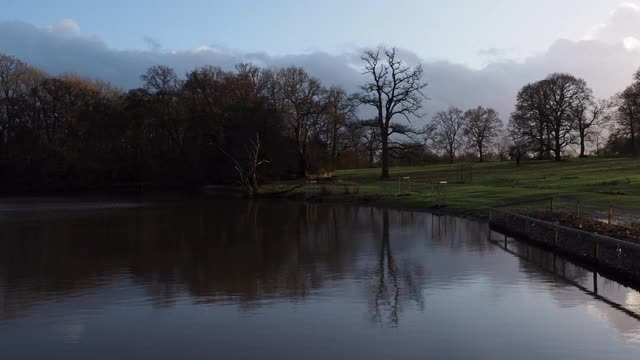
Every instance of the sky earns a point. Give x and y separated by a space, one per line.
473 51
470 32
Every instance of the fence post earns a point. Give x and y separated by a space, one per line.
596 250
555 236
551 205
610 213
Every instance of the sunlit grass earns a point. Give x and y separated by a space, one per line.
606 180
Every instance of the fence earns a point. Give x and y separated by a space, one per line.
576 228
605 213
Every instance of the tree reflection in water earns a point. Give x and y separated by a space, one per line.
394 286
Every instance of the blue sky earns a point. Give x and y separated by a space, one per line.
456 30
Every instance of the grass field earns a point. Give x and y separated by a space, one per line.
606 180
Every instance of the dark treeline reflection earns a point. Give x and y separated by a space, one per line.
236 251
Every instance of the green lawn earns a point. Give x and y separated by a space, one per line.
606 180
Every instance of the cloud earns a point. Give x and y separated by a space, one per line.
65 26
623 22
606 65
493 52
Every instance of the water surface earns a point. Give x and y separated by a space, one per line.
114 279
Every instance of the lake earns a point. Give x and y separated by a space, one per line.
113 278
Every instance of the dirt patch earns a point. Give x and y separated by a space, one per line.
631 234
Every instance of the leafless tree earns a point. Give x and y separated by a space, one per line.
564 93
248 174
12 92
481 127
163 86
518 143
627 115
590 115
530 118
340 110
546 111
300 97
394 90
449 125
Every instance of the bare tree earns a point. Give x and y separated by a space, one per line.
248 174
394 90
518 143
449 126
12 92
564 93
481 127
589 116
300 99
530 117
627 115
163 87
340 109
545 111
371 139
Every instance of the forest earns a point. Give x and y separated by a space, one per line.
253 124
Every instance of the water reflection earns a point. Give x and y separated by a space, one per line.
617 304
382 279
396 283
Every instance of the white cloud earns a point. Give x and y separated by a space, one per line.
65 26
631 43
623 22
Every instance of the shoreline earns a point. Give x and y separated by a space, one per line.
627 277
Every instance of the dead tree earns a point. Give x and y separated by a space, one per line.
449 126
248 173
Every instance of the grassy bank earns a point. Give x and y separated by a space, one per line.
606 180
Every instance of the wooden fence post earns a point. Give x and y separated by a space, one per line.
596 251
610 213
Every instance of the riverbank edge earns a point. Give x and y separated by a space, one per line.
625 278
469 214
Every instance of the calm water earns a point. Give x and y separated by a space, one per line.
98 279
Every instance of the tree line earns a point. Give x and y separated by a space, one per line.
255 124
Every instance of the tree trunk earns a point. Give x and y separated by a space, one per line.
481 153
582 145
541 152
334 145
302 163
385 154
557 150
371 157
632 132
451 155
